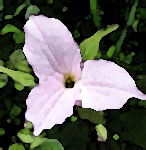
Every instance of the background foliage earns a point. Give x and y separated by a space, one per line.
126 128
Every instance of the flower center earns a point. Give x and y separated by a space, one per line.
69 81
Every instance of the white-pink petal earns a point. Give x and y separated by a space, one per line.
49 47
105 85
48 104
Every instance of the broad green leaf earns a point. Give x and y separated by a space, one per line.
101 132
9 28
51 144
99 55
1 5
15 111
19 37
89 47
19 9
93 116
36 142
3 80
25 135
32 10
132 13
23 78
2 131
16 146
18 86
111 51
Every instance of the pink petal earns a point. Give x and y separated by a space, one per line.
48 104
49 47
105 85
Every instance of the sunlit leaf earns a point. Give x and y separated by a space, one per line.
25 135
19 9
16 146
90 46
18 86
110 51
37 142
51 144
9 28
23 78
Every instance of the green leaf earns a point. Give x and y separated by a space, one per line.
128 58
111 51
134 25
93 5
23 78
116 137
19 37
73 118
51 144
8 17
32 10
17 61
93 116
25 135
120 41
1 5
3 80
9 28
19 9
17 55
15 111
95 12
89 47
18 86
1 63
101 132
2 131
132 13
16 146
36 142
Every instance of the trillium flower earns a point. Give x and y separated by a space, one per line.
56 60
